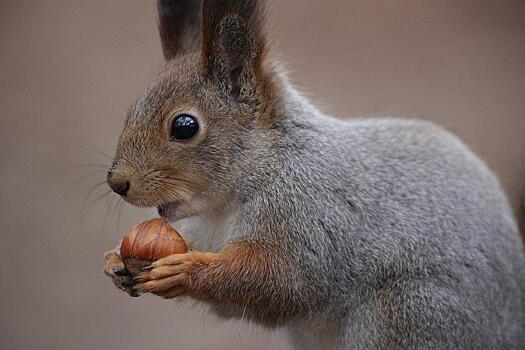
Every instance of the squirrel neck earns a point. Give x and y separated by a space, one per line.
269 146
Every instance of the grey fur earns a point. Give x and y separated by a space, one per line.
401 238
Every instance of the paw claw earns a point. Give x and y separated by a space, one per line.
136 289
138 279
127 283
122 272
117 271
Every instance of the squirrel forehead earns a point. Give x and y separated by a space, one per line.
178 87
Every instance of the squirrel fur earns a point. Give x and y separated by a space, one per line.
359 234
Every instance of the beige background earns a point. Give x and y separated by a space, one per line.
69 69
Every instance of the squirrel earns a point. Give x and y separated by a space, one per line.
374 233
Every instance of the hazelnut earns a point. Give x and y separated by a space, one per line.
152 240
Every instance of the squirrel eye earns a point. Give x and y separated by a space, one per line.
183 127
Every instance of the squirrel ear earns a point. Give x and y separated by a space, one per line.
179 26
233 43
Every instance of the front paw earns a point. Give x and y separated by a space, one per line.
170 277
118 273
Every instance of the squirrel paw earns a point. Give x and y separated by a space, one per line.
116 270
170 277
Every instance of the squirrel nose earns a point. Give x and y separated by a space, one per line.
118 184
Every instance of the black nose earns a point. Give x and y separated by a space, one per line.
118 184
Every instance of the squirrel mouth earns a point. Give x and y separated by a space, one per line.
168 210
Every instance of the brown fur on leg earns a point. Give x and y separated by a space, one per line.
248 277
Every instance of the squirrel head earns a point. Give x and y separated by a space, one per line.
187 139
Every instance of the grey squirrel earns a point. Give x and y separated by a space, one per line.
360 234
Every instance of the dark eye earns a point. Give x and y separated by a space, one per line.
183 127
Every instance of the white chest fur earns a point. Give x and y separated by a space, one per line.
206 232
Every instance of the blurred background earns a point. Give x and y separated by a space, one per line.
69 70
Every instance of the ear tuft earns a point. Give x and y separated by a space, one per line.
236 39
233 41
179 26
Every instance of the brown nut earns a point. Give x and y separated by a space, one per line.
152 240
